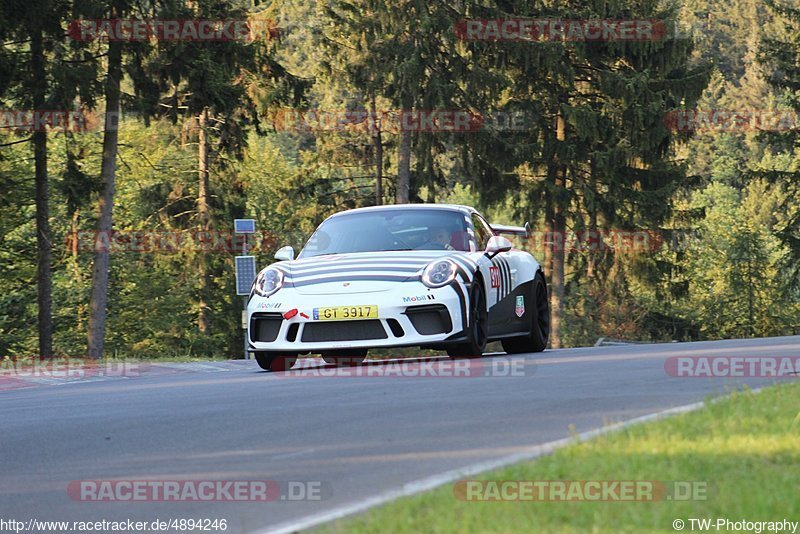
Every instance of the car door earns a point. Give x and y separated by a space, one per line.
500 274
491 269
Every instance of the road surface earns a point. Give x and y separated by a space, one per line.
348 438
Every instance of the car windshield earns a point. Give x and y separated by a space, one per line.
390 229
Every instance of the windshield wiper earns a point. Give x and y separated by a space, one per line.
320 255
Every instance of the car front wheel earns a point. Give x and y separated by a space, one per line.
478 326
275 361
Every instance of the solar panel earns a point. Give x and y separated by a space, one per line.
244 226
245 274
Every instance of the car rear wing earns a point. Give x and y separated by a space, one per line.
522 231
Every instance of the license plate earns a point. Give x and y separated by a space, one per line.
340 313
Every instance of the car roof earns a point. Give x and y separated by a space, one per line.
449 207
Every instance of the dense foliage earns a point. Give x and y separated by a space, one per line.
700 227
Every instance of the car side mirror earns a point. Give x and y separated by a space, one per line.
285 254
497 244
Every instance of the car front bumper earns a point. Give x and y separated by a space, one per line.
408 315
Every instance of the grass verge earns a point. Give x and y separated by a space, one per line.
745 448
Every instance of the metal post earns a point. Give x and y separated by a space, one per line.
245 326
245 273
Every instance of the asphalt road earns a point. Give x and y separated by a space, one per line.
351 437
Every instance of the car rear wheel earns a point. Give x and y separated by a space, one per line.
275 361
344 358
478 326
539 316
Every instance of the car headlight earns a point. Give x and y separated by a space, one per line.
268 282
439 273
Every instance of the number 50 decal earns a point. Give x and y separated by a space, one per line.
494 276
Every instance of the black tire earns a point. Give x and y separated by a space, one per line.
345 358
275 361
477 326
539 315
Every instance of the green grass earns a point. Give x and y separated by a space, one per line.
746 447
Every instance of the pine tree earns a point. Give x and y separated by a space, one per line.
33 31
601 142
408 52
212 88
119 55
779 54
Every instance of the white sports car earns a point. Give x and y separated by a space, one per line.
429 275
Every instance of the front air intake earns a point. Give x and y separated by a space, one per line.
430 319
343 331
264 327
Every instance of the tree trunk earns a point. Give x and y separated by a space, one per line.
378 142
108 174
593 240
403 167
202 171
204 217
430 175
549 239
557 277
43 236
559 254
751 282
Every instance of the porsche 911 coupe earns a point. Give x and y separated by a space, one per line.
430 275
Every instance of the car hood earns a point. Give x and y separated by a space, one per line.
365 272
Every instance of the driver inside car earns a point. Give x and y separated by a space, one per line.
438 237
